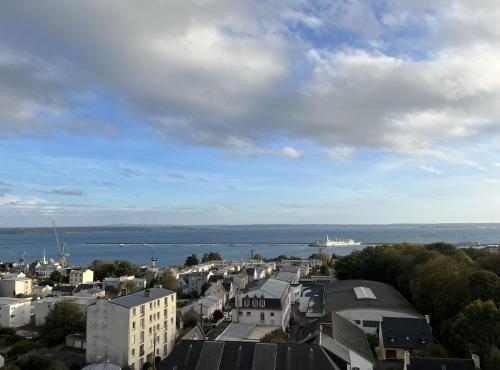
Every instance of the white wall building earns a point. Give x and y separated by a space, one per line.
81 276
267 303
14 312
13 284
132 329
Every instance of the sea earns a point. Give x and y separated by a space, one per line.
171 245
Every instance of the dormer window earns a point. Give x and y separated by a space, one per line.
392 339
255 302
262 302
246 302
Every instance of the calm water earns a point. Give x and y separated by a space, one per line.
172 245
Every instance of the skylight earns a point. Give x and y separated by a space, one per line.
364 293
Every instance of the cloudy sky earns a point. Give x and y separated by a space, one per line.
265 111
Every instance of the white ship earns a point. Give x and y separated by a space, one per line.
334 242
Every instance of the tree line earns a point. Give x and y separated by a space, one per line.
458 288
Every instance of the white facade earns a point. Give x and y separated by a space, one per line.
268 305
14 312
13 284
368 319
77 277
43 307
41 290
132 329
208 305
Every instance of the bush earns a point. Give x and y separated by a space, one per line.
218 315
276 336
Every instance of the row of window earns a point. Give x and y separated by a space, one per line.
262 314
152 304
255 302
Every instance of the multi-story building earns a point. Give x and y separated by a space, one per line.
14 312
81 276
13 284
133 329
267 303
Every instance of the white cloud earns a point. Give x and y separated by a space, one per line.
430 169
497 164
344 154
212 73
290 152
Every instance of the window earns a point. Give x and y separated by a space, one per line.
133 352
133 311
255 303
150 305
133 340
142 336
357 322
171 320
272 314
165 312
142 323
262 316
246 302
172 298
249 313
370 324
240 312
262 303
165 301
150 330
133 325
142 310
165 324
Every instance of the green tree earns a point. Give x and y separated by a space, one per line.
259 257
111 291
484 285
324 270
276 336
64 319
56 277
190 321
168 281
492 361
212 256
192 260
478 324
218 315
21 347
438 288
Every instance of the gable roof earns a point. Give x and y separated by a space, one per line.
406 333
196 355
340 296
338 335
433 363
64 288
141 297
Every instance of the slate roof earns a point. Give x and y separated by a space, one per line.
196 333
340 296
207 355
432 363
209 301
64 289
406 333
81 287
315 294
271 288
337 334
141 297
289 273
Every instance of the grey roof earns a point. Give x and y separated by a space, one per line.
64 288
344 334
433 363
210 356
289 273
405 333
141 297
340 296
271 288
209 301
102 366
192 355
86 286
196 333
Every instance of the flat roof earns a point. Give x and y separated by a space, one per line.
246 332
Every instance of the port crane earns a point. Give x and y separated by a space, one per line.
62 247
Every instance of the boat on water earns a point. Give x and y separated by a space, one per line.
334 242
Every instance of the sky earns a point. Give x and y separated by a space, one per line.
249 112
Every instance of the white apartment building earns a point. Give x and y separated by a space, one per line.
13 284
266 304
14 312
132 329
81 276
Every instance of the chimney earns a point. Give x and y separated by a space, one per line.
406 359
147 293
428 319
477 361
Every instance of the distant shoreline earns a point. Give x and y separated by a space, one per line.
49 229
